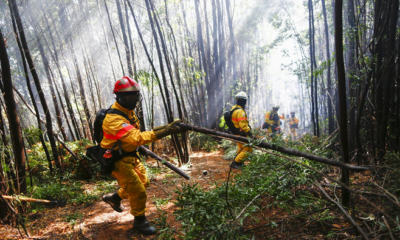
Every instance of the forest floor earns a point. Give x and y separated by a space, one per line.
100 221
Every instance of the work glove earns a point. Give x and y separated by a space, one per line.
166 130
249 134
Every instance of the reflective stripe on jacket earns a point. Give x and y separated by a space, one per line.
239 119
116 127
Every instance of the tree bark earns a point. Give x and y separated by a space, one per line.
342 97
350 71
16 135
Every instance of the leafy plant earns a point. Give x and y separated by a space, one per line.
72 218
165 231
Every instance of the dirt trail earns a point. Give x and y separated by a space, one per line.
99 221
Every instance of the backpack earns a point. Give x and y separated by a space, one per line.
96 152
229 123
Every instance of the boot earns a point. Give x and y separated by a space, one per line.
114 200
236 165
143 226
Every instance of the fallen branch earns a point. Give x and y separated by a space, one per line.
336 181
368 193
20 220
168 164
388 227
351 220
265 145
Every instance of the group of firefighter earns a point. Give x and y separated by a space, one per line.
123 135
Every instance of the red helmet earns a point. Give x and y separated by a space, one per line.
126 84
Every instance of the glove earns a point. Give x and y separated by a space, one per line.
166 130
249 134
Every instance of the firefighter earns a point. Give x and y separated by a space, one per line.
294 124
239 120
273 120
129 170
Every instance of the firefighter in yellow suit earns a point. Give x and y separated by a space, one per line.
239 120
129 170
294 124
273 120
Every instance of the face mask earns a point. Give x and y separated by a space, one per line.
129 101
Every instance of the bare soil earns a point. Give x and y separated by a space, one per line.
100 221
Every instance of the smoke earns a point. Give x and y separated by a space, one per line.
266 53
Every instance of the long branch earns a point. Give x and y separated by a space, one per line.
265 145
344 212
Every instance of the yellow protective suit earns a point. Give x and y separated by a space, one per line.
293 122
239 119
129 171
269 116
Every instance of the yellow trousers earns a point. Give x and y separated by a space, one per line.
294 133
131 176
242 152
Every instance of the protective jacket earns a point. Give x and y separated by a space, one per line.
116 127
272 118
129 171
293 122
239 119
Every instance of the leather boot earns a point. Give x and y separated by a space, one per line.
114 200
143 226
236 165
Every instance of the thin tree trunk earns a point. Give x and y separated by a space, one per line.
13 120
82 91
53 94
35 76
126 43
351 62
170 114
115 40
56 60
342 97
310 19
329 81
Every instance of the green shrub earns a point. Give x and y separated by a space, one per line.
206 214
203 141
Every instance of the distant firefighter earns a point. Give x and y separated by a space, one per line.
294 124
273 120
